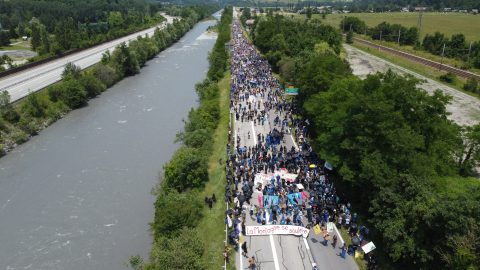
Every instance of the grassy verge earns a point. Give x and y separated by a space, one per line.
212 224
362 264
421 69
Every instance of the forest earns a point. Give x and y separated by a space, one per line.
56 26
398 158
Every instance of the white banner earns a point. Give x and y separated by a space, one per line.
277 229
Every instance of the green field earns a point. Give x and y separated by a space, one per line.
447 23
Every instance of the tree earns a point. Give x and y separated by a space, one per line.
36 37
186 170
73 93
4 38
175 211
115 19
349 38
44 41
309 13
182 251
124 61
92 85
33 106
7 111
469 156
71 70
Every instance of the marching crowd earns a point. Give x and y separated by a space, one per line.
268 181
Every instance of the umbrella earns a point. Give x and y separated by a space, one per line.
312 166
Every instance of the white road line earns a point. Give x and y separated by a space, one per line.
254 134
309 252
294 143
241 257
274 252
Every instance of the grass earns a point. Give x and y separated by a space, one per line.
211 227
447 23
362 264
421 69
453 187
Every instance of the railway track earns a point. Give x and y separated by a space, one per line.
418 59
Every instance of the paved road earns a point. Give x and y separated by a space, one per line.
285 252
31 80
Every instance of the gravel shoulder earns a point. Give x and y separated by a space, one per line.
464 109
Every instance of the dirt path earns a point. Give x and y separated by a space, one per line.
464 109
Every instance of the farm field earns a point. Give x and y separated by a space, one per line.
447 23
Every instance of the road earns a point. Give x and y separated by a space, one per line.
20 84
276 252
284 252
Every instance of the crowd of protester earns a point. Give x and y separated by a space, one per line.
292 184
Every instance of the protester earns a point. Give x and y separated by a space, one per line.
291 183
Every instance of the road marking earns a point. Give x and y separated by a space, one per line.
274 252
294 143
309 252
241 259
339 235
254 134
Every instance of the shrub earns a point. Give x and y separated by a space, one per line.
174 210
471 85
92 85
105 74
180 252
33 106
73 94
187 169
448 77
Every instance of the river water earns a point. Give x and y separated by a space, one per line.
78 196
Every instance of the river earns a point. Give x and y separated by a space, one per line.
78 196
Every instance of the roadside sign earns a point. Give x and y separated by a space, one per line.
291 91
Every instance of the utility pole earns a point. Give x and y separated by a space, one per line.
469 51
443 53
399 33
380 35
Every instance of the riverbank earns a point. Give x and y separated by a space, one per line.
26 118
189 207
84 184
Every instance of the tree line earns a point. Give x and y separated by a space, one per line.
57 26
455 47
397 157
178 206
20 121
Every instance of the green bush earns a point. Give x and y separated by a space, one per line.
448 77
33 106
73 93
186 170
174 211
180 252
471 85
11 115
92 85
105 74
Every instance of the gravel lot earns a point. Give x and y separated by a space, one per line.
464 109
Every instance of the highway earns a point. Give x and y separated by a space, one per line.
20 84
